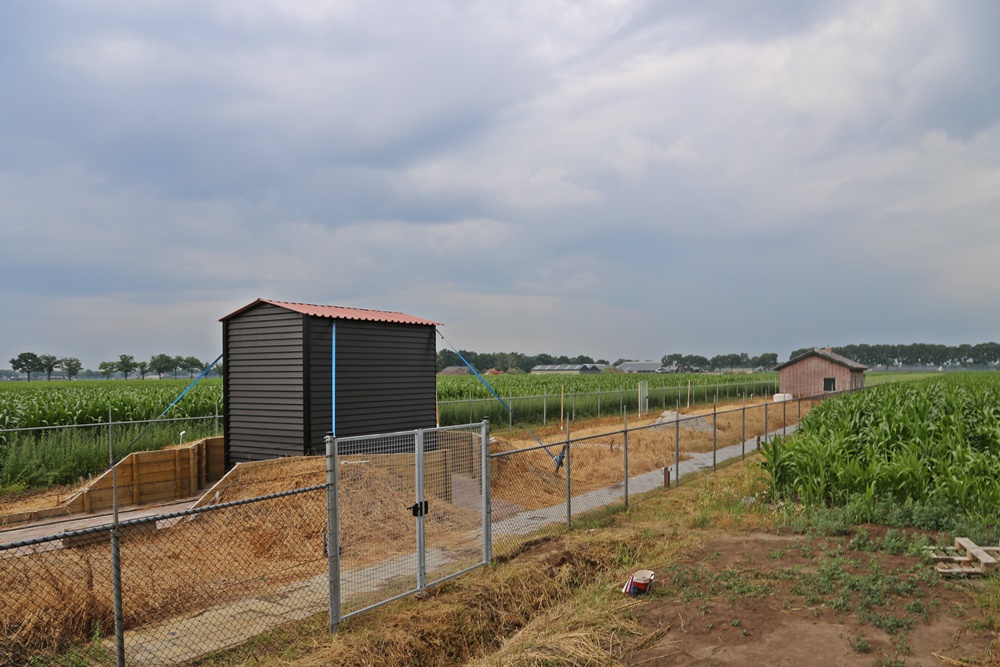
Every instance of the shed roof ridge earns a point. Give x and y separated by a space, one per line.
321 305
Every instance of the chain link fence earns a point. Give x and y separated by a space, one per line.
192 582
530 493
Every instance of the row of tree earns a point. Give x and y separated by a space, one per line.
126 366
980 355
721 361
507 361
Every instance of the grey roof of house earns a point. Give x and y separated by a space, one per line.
825 354
555 368
639 366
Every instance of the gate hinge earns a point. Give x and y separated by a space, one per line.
418 509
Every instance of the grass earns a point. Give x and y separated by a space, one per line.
42 459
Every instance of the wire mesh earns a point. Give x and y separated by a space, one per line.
380 511
453 487
193 582
376 490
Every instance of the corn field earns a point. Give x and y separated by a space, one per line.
934 443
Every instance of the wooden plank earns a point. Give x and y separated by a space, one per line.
155 477
202 465
134 467
158 491
177 473
193 469
162 456
988 562
147 468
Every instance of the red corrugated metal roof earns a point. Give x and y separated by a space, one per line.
339 313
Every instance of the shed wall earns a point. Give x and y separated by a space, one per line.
264 379
385 377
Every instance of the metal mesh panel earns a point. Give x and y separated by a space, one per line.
56 595
410 511
376 488
526 494
201 582
597 471
193 582
453 488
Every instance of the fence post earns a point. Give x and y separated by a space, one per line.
545 406
510 413
573 400
784 417
677 443
116 554
487 494
715 433
598 401
765 418
217 419
418 453
569 486
743 428
332 532
470 406
625 463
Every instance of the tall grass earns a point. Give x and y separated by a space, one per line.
930 444
38 459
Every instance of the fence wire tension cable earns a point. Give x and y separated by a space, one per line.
558 458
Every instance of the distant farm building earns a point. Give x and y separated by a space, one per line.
567 369
455 370
639 366
295 372
818 371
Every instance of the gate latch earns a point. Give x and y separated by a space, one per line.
418 509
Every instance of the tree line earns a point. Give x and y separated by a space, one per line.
509 362
721 362
125 366
980 355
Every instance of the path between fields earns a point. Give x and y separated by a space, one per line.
173 641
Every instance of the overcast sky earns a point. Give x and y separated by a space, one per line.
613 178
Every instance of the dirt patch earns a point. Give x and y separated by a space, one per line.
761 598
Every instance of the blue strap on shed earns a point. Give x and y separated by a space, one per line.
558 458
170 407
191 386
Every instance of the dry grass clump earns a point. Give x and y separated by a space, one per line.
471 618
581 632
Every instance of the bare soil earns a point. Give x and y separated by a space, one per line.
740 600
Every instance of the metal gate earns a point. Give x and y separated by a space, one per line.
406 510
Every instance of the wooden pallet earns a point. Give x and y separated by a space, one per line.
966 557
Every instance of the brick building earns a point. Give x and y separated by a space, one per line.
818 371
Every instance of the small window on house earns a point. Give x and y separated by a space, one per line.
829 384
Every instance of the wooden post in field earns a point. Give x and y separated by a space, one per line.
562 405
743 428
689 393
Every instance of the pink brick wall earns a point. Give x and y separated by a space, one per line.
805 378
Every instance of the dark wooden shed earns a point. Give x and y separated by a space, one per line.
295 372
818 371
